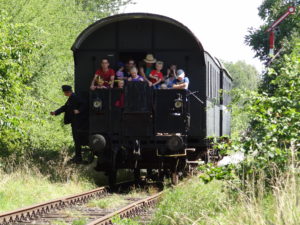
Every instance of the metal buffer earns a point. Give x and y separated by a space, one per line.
271 29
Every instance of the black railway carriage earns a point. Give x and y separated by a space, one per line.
156 129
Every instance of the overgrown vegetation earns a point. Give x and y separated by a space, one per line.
35 60
263 189
108 202
245 78
16 188
268 179
272 141
286 32
222 203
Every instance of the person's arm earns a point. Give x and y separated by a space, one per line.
142 72
168 72
173 71
112 80
183 85
93 87
152 76
157 82
179 86
58 111
112 77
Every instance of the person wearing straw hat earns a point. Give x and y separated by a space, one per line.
148 67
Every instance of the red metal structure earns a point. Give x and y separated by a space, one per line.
290 10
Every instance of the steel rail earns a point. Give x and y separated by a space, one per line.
131 210
34 211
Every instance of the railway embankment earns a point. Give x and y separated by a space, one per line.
223 202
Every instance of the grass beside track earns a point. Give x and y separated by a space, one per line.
212 203
22 185
24 188
46 176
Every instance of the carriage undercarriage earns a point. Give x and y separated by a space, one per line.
141 155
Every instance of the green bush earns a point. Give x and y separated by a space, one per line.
35 60
271 143
18 50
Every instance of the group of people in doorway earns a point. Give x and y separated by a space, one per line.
105 77
150 71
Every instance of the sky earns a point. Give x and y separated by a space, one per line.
220 25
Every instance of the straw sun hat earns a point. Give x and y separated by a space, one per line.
150 59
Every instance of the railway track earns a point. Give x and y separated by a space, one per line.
76 209
136 208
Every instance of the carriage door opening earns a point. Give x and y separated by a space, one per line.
138 57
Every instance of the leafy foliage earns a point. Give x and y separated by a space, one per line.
244 76
104 6
18 50
35 60
272 141
287 30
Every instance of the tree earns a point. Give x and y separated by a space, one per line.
18 51
269 11
100 6
35 60
244 76
271 143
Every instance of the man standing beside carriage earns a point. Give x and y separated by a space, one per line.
74 112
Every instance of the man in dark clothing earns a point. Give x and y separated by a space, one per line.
73 109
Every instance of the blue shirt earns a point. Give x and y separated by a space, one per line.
184 80
169 82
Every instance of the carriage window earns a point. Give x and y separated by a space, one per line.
211 80
218 84
214 83
208 79
216 89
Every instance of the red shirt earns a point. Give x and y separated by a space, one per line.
105 75
157 74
